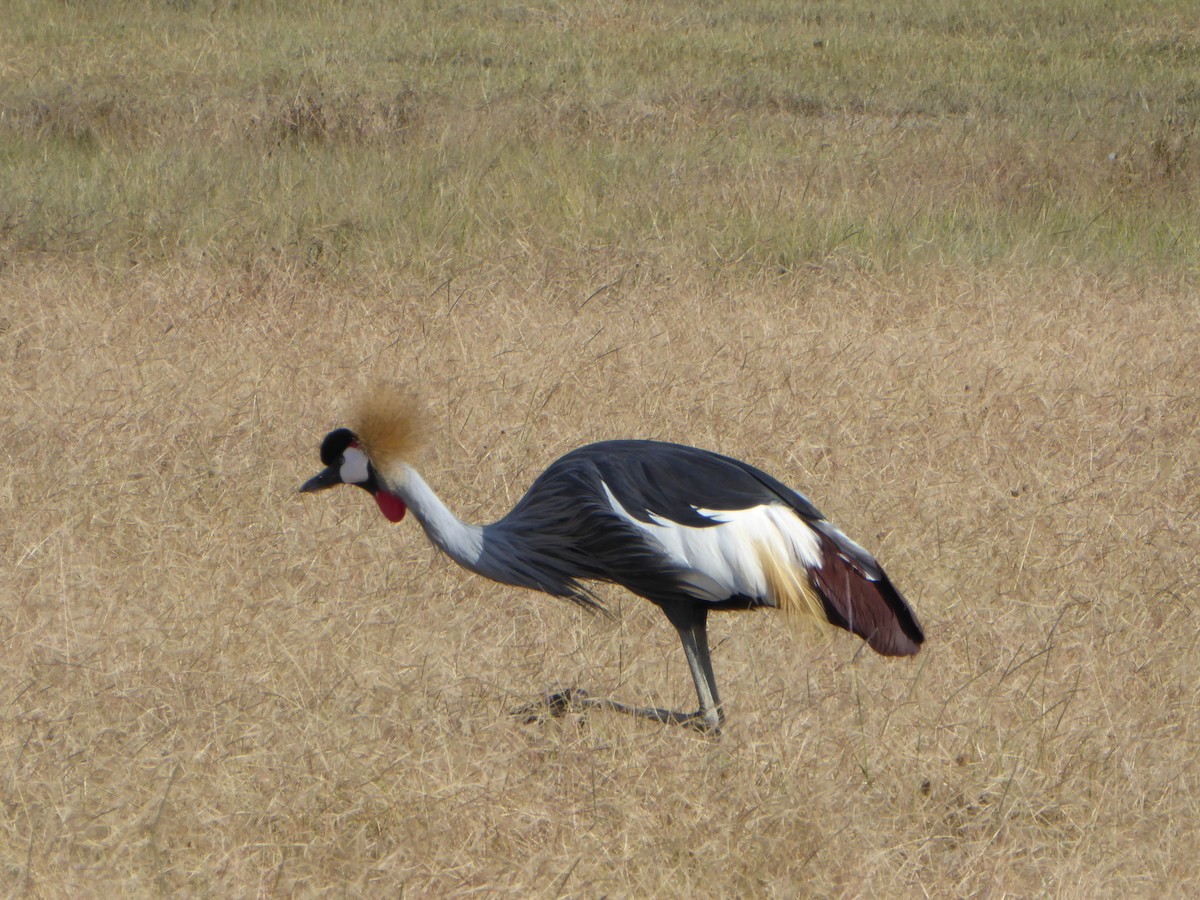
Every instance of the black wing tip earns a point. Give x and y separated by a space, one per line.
895 643
905 636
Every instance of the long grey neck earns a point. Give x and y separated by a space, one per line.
497 551
461 542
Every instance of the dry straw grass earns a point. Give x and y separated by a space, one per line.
937 270
215 685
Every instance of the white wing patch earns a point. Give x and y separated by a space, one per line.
761 552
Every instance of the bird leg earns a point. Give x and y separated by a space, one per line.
691 623
558 703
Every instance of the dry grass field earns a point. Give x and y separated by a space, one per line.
951 296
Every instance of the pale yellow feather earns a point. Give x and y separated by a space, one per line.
389 422
789 588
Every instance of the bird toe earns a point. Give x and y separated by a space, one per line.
552 704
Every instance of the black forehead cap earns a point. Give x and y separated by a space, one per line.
335 445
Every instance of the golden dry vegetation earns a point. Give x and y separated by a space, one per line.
213 686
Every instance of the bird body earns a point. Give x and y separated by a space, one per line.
688 529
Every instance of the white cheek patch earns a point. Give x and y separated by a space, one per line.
355 467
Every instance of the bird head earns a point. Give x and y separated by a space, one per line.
372 455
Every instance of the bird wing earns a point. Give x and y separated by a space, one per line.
732 533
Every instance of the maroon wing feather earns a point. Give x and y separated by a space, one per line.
859 597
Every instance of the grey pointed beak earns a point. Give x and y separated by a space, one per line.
328 478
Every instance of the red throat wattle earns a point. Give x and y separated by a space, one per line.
390 505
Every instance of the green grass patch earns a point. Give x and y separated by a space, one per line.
759 135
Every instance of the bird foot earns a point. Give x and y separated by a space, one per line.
556 704
553 704
702 723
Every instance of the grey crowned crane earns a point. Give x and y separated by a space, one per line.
689 530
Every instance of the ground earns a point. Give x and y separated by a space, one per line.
213 685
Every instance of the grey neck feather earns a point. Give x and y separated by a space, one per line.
461 542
